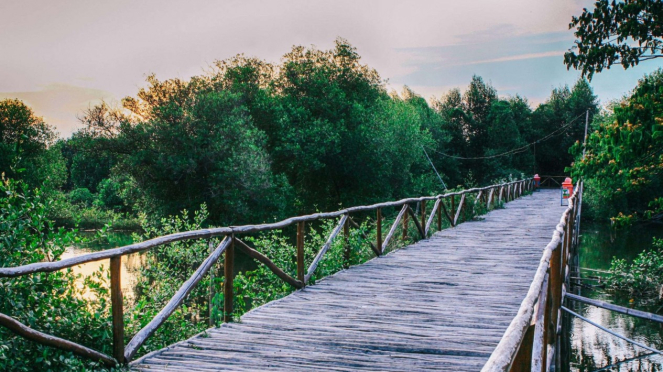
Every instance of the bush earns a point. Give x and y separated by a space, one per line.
49 302
643 277
81 197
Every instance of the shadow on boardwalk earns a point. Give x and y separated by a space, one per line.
440 304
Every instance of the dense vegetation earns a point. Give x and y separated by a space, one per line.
246 142
623 166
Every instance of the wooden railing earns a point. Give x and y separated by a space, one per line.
444 207
530 342
553 182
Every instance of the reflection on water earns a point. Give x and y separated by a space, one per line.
591 348
130 263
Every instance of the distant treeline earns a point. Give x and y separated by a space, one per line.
256 141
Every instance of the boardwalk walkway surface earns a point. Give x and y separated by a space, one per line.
440 304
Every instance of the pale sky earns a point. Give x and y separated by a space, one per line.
62 56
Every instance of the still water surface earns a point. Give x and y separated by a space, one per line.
591 348
130 263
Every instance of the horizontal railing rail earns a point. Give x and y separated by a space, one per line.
491 195
529 343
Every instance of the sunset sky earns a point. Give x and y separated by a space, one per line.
60 57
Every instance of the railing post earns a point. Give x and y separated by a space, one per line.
346 242
523 359
439 215
453 209
423 213
378 232
406 223
556 289
117 308
228 281
300 252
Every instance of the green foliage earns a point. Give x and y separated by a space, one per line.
25 147
49 302
616 32
624 158
642 278
565 106
163 271
81 196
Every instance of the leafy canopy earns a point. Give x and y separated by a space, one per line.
616 32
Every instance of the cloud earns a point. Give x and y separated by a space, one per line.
520 57
59 104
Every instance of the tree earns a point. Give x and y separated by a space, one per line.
608 35
623 166
25 147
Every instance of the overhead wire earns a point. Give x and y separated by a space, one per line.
518 150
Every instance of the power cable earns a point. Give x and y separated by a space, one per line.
556 132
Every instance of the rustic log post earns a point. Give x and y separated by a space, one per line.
346 242
556 289
423 213
117 308
210 294
300 251
547 322
405 225
439 216
453 209
523 359
228 281
378 232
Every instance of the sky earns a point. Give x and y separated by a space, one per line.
62 57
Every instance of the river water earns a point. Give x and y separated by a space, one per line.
130 263
591 348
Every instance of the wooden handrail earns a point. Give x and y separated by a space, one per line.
124 355
209 233
546 294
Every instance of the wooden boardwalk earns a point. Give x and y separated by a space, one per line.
440 304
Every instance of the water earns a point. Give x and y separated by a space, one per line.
591 348
130 263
